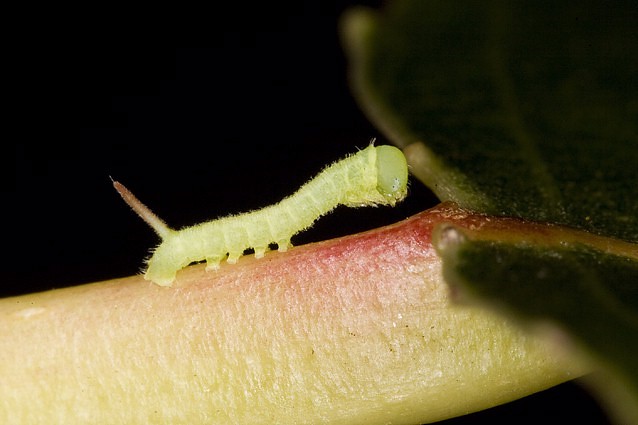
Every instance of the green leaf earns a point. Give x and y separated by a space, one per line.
525 109
587 284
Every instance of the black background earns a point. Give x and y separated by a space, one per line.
195 132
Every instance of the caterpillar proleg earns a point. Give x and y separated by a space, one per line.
373 176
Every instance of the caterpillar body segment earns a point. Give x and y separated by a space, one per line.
372 176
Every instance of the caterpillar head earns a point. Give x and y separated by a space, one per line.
392 172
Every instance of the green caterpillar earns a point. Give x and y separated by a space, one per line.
373 176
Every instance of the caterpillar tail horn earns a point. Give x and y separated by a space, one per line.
142 210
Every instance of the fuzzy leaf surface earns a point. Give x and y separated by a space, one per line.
524 109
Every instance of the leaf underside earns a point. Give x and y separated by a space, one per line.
520 275
525 109
529 108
